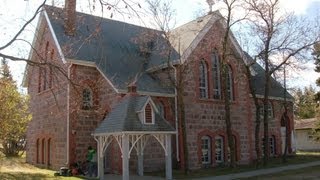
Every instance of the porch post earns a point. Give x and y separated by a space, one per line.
100 158
125 157
140 163
168 157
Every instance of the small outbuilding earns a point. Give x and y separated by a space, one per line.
303 133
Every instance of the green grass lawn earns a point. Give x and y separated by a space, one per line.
304 173
17 168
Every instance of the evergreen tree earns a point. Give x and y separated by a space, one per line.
305 104
4 71
316 57
14 114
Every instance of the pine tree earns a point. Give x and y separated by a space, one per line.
305 104
316 57
4 71
14 114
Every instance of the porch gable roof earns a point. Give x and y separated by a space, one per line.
124 118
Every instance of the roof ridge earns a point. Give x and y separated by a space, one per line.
103 18
198 19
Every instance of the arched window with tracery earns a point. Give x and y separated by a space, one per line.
219 149
87 100
206 150
230 82
203 79
216 76
269 111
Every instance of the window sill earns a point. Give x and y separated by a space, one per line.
218 101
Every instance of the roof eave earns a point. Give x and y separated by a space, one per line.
134 132
274 98
146 93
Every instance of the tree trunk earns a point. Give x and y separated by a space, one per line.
182 123
265 116
284 156
257 118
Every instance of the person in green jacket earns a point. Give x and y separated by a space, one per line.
92 162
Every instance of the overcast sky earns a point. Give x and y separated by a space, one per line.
13 14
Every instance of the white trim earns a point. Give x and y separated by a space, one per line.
133 132
92 64
146 93
82 62
273 98
68 113
54 37
198 38
163 65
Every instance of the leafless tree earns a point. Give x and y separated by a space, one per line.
163 16
277 35
229 8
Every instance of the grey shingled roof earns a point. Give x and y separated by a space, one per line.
182 36
115 47
116 53
124 118
258 79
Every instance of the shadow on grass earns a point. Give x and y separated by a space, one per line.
25 176
223 170
36 176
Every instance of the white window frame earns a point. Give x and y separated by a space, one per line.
206 150
270 110
219 156
203 80
272 146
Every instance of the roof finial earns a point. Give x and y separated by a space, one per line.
132 87
211 3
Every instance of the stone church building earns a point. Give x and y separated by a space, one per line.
109 84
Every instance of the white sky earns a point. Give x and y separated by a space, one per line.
13 14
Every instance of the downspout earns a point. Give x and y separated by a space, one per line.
176 112
176 107
68 115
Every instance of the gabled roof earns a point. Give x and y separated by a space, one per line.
124 118
258 79
115 48
275 90
182 36
305 123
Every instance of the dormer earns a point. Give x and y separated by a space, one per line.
146 111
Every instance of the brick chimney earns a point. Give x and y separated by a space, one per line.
70 17
132 88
